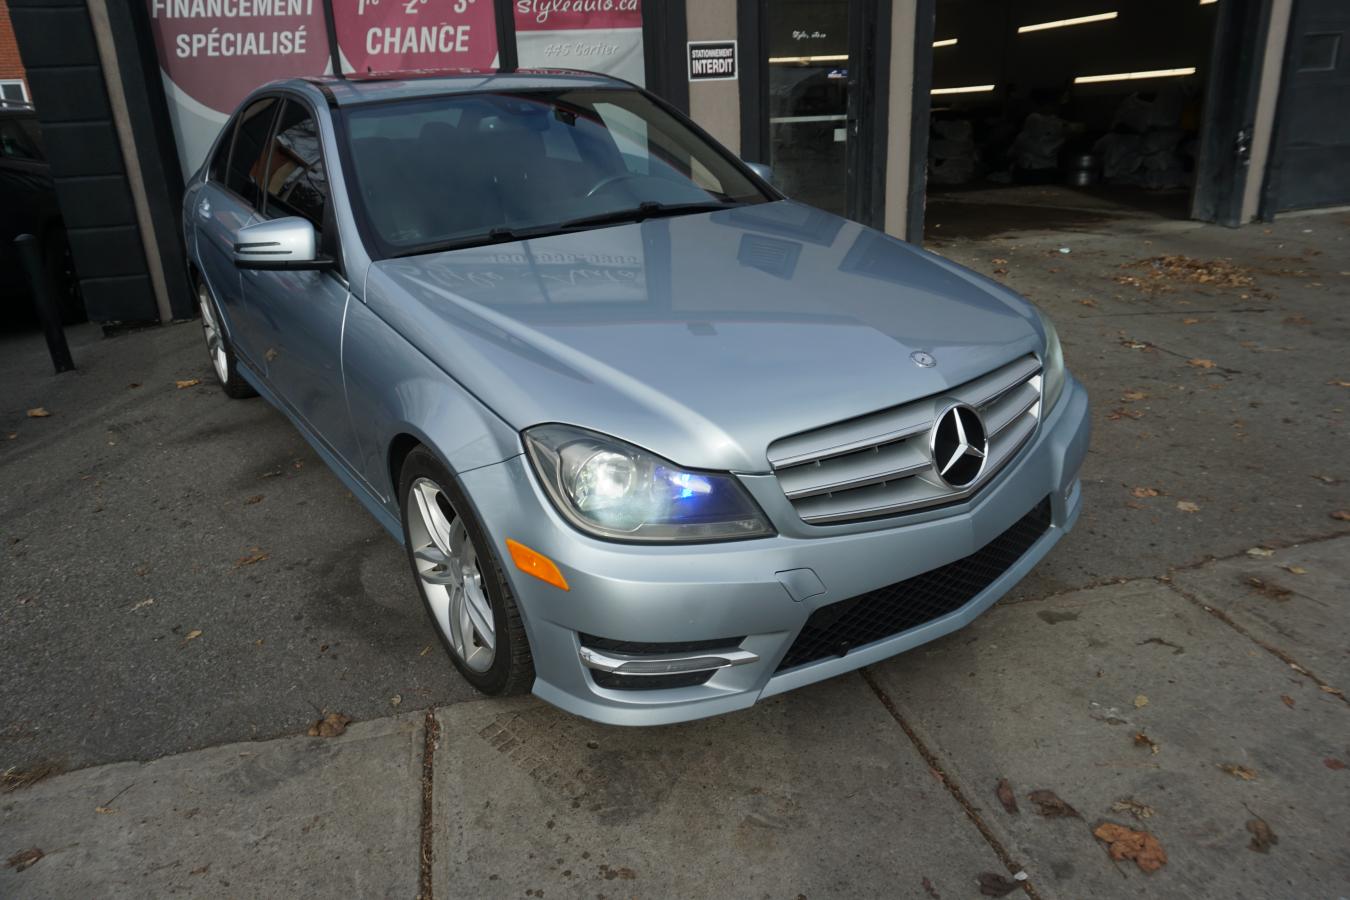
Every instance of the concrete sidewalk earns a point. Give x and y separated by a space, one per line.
1174 706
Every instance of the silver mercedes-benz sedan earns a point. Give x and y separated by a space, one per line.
658 441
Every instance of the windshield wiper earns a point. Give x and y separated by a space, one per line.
647 210
503 234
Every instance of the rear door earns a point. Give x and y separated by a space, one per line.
301 313
228 201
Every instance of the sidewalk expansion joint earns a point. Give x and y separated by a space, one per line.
1274 651
952 787
431 733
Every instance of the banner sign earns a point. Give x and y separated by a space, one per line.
712 60
213 52
402 35
595 35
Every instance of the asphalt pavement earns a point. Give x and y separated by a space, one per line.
184 589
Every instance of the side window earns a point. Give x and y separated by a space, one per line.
297 184
244 174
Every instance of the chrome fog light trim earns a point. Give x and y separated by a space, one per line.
672 664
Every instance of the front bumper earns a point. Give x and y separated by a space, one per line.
696 593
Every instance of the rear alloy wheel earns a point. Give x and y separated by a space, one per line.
460 581
218 346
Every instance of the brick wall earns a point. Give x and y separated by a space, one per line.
10 65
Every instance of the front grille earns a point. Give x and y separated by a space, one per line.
879 464
837 628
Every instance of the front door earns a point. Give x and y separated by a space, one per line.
301 313
820 105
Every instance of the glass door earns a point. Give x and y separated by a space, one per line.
807 43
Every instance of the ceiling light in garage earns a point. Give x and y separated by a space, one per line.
1062 23
949 42
968 89
1206 2
1131 76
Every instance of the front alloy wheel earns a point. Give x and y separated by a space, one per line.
447 563
461 582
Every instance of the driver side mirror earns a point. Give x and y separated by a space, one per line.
289 244
763 171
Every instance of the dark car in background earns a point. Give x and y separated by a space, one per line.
28 206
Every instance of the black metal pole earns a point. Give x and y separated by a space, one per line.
30 251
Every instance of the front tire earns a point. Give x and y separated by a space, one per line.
460 580
218 347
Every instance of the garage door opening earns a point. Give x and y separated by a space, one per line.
1050 114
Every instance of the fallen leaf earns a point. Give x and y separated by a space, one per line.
1143 740
1190 321
1140 701
1130 396
142 604
1237 771
1287 700
1269 589
1000 271
1049 805
1201 363
1121 412
1088 301
38 412
104 810
1259 552
13 435
1333 763
1327 479
1263 837
1294 570
1004 792
202 870
1297 320
396 701
1126 843
256 498
999 261
1337 382
1133 807
193 635
330 725
187 382
23 859
133 385
251 559
1142 492
425 650
1341 515
1328 689
1187 506
993 884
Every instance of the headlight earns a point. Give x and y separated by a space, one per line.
1053 366
615 490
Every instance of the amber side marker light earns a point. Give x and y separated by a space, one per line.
532 562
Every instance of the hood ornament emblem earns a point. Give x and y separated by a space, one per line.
923 359
959 446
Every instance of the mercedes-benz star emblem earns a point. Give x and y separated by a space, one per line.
959 445
923 359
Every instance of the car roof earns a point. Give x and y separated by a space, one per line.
353 90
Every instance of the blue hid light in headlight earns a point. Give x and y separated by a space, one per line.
686 484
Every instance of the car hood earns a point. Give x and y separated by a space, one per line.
702 338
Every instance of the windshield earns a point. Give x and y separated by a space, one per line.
459 170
